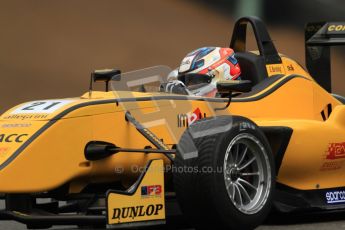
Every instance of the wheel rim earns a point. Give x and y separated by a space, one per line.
247 173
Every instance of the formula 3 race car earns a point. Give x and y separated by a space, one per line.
135 156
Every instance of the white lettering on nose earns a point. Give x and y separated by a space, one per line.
335 197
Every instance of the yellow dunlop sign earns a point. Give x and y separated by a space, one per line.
146 203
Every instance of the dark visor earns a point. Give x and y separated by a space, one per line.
190 79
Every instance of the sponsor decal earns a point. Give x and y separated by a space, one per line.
185 120
333 165
27 116
155 139
186 64
335 157
151 191
336 28
335 197
137 211
336 151
36 107
275 69
290 67
246 125
9 138
23 125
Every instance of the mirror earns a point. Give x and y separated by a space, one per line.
105 75
237 86
97 150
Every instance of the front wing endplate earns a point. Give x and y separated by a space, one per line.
143 202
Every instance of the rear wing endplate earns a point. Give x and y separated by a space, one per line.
319 37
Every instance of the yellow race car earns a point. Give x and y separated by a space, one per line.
135 155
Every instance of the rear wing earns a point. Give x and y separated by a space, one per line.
319 37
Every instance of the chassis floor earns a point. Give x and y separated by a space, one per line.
281 222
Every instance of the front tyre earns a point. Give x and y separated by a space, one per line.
224 173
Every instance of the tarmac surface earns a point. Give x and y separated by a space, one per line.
330 221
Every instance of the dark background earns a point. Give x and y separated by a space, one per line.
49 47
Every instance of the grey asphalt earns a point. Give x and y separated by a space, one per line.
329 221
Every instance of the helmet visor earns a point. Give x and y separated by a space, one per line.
192 79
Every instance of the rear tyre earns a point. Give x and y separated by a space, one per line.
224 173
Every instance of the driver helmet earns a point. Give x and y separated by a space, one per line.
209 65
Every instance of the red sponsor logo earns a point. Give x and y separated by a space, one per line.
184 120
336 151
196 115
152 190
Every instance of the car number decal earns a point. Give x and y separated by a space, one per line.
47 106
